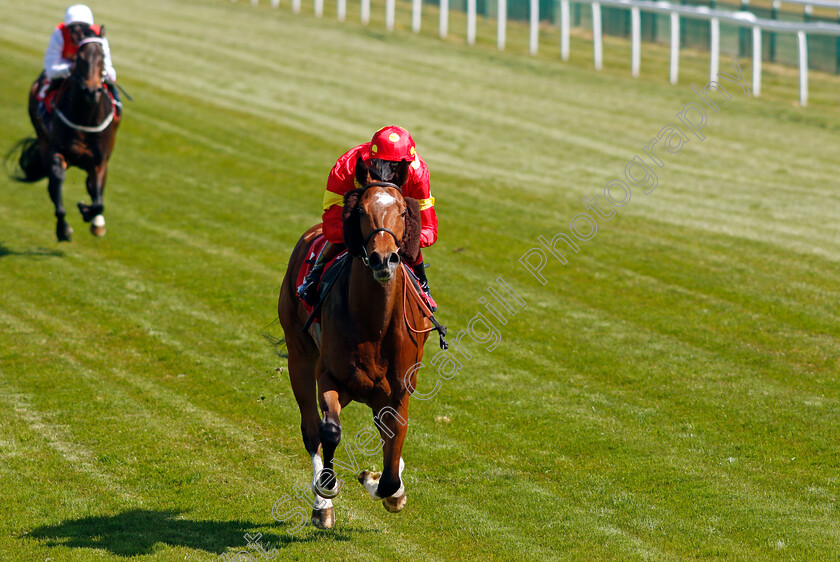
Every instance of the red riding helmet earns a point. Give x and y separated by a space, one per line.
392 143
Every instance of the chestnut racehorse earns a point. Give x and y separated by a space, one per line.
371 335
80 132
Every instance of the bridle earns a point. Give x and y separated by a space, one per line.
375 231
77 78
410 287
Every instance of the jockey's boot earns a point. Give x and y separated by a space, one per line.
43 110
420 271
308 290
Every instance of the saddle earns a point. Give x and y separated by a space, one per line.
47 94
328 277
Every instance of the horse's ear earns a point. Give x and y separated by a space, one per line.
351 219
402 173
362 173
410 245
102 30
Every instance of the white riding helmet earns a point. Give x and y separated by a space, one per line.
78 13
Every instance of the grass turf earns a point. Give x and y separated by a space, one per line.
670 393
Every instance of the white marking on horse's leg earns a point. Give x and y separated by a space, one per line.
371 484
97 226
402 485
317 467
400 492
396 501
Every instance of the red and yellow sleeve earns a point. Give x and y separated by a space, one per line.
340 181
420 189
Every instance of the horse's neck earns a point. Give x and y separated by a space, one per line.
83 111
376 306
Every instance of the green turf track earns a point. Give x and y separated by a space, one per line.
670 394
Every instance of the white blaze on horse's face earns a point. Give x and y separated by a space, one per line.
385 199
384 209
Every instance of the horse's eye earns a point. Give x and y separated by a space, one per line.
403 213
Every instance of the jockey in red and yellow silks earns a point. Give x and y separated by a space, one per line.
389 144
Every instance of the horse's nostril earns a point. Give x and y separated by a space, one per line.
394 259
375 261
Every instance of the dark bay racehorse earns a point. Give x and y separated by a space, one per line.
80 132
372 334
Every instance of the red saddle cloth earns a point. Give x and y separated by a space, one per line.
314 250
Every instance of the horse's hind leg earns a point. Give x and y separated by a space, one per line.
302 377
57 171
96 189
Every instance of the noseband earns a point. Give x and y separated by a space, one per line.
375 231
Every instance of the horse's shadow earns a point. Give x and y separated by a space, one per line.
36 253
142 531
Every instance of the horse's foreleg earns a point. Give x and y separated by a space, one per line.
331 399
388 486
57 169
96 189
323 512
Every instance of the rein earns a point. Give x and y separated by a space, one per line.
411 288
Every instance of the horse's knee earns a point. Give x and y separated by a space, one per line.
330 433
57 169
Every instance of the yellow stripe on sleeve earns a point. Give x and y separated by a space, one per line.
426 203
331 198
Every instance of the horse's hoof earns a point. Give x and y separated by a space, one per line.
97 226
64 234
323 518
394 503
370 480
368 476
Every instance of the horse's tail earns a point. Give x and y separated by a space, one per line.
30 166
279 344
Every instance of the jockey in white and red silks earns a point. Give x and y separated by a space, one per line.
389 145
61 51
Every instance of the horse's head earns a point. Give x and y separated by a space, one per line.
380 225
89 67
